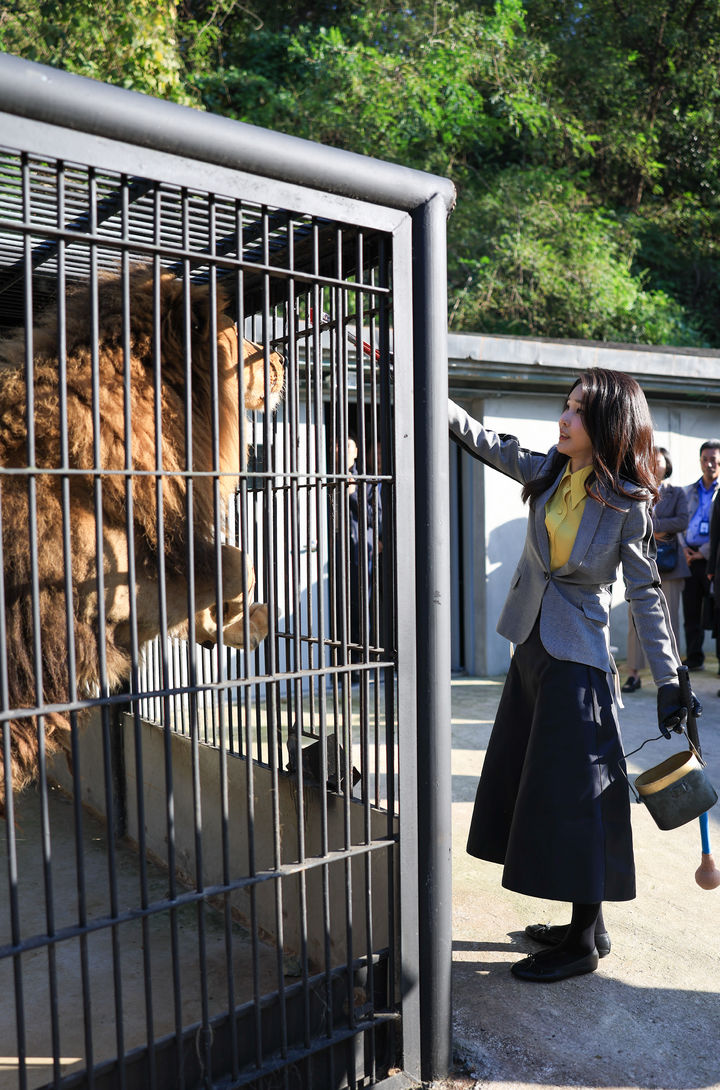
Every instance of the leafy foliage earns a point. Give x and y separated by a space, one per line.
582 135
131 44
540 246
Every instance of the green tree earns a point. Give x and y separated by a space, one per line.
437 86
643 78
131 44
582 135
535 246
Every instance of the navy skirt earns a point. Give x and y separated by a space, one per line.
553 804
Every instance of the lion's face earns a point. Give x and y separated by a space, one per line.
256 396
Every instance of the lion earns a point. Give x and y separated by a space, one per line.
115 477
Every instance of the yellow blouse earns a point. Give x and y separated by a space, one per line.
563 512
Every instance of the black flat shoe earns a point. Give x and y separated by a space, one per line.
632 685
543 970
552 934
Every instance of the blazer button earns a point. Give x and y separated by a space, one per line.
546 574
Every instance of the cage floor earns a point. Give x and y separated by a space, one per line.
126 994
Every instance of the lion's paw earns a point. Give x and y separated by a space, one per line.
258 624
233 631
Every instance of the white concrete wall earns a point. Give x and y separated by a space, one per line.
500 515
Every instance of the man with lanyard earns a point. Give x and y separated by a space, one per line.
697 546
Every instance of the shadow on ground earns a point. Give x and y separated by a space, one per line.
649 1016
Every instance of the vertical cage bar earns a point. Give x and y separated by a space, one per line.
433 650
133 627
203 1041
81 883
292 449
37 635
245 718
162 642
32 518
270 588
101 617
224 693
403 632
365 678
324 498
10 838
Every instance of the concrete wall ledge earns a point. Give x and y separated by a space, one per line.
481 363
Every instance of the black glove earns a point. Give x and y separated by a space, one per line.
672 712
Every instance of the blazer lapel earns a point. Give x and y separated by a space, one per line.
592 513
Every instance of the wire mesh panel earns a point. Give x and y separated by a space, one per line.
204 550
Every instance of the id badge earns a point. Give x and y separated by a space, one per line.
705 527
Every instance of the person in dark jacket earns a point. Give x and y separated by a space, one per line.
670 518
713 569
701 497
365 526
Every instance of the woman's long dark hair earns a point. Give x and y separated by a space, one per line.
617 419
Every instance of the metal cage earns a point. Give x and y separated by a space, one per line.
224 656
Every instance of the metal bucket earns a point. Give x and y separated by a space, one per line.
677 790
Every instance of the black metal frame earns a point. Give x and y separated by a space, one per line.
339 262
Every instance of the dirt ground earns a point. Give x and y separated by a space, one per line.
650 1015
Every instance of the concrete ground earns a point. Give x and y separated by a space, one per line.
648 1018
650 1015
133 943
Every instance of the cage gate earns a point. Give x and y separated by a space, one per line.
209 674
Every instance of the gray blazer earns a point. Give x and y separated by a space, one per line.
574 600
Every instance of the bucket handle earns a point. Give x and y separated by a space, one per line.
657 738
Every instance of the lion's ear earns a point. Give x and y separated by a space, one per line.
200 315
172 293
201 310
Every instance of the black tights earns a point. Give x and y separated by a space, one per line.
585 923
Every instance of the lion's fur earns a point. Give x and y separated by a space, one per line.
46 676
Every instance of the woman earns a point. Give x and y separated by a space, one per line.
552 803
669 517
